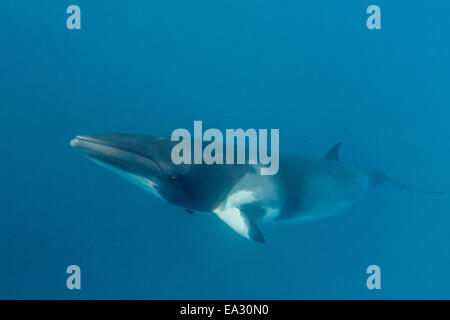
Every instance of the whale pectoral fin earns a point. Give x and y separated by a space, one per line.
241 223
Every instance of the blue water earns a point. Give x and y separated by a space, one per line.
310 68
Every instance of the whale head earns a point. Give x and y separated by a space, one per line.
146 161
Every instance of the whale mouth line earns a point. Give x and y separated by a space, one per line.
103 151
89 144
75 142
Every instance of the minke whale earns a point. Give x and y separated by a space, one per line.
304 188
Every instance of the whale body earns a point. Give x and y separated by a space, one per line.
304 188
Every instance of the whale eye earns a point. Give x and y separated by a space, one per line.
177 180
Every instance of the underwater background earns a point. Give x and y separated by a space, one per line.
310 68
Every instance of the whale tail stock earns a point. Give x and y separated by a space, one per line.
380 177
411 188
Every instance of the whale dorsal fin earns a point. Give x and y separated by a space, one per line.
237 220
333 153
